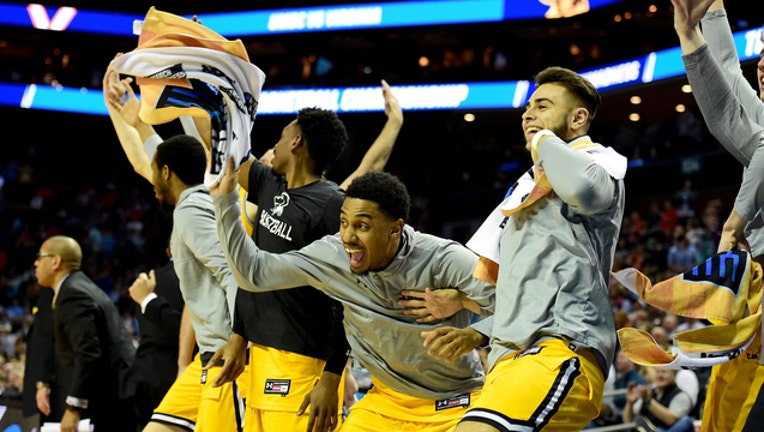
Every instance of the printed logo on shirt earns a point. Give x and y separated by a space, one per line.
275 226
530 351
269 219
279 202
453 402
277 386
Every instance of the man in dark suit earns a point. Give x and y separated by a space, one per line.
156 360
92 343
44 389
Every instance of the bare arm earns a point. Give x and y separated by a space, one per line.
187 341
687 16
123 107
378 154
733 234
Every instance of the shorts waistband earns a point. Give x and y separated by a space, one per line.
591 354
206 356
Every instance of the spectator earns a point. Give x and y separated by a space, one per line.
626 373
669 217
685 202
682 255
664 408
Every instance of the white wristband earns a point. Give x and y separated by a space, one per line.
146 300
540 134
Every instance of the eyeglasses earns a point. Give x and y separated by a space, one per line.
44 255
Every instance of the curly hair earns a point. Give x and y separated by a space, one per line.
386 190
325 135
185 157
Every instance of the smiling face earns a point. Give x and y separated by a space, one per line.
370 236
548 108
664 377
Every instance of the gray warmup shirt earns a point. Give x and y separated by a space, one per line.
554 271
383 339
207 285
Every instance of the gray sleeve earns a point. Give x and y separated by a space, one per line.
730 124
201 238
718 35
249 265
576 178
151 144
484 326
458 264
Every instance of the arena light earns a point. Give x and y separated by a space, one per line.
293 20
41 20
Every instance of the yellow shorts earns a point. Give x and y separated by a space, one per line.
383 409
731 392
277 386
194 405
545 386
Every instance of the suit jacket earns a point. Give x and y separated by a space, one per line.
94 346
156 360
42 363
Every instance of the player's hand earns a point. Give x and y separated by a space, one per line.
234 356
450 343
431 305
226 183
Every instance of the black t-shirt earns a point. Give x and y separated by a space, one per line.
300 320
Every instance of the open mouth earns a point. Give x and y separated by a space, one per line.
355 256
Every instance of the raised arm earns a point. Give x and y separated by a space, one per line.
727 119
377 155
123 108
718 34
687 16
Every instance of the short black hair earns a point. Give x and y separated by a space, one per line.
325 134
577 84
185 157
385 189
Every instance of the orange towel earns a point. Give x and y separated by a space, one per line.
726 289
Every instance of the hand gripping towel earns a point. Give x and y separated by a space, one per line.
184 68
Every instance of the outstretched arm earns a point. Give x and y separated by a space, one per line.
376 157
727 119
